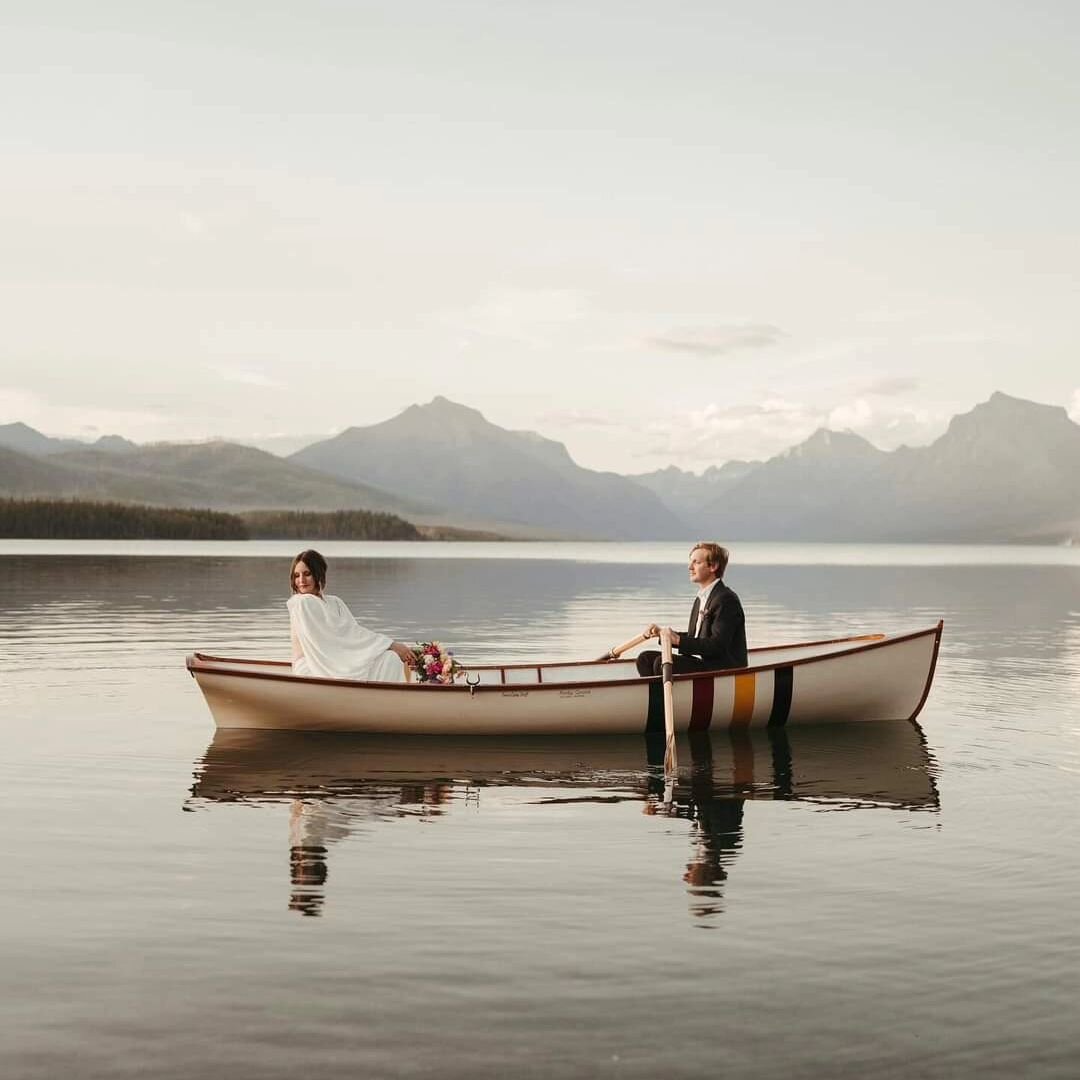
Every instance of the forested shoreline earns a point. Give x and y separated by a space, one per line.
328 525
76 519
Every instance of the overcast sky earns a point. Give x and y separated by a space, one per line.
661 232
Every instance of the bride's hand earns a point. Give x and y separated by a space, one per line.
404 653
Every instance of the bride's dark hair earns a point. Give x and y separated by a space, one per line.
315 563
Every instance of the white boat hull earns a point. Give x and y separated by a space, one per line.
879 677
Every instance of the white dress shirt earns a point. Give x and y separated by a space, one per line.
703 598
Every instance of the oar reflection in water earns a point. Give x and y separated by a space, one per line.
336 785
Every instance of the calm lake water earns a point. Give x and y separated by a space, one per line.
878 900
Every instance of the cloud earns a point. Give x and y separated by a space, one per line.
718 433
247 377
282 444
193 225
894 387
17 405
888 426
835 354
523 316
954 337
854 415
890 316
72 420
719 340
696 439
579 418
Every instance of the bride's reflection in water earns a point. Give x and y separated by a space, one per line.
336 785
316 823
307 860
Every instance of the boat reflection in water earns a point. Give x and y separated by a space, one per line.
337 784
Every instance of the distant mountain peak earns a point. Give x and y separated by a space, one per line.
452 456
27 440
1000 399
441 402
1001 404
826 443
1001 413
444 408
439 415
115 444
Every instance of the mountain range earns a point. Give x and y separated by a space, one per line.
216 475
1008 470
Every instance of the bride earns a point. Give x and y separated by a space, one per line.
327 641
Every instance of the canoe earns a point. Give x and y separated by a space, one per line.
870 677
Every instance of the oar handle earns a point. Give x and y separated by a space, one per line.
665 654
671 760
618 650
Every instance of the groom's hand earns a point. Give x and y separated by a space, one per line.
653 630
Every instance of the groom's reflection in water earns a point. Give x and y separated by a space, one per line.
718 827
336 785
716 819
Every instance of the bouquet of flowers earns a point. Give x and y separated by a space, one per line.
434 664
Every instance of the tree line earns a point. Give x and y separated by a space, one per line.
75 519
327 525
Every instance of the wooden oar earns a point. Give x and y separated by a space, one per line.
618 650
671 757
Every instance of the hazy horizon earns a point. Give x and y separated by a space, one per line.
282 445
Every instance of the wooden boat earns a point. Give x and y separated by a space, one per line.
871 677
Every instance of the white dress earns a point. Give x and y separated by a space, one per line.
336 646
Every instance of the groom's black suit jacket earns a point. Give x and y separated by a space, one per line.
722 642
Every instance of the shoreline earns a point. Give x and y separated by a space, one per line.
669 554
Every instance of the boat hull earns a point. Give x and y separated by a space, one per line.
852 679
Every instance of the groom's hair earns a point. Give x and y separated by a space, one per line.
315 563
718 556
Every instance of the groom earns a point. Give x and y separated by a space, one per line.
716 635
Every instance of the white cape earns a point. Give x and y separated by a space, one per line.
336 646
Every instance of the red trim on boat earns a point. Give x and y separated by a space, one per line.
930 673
701 707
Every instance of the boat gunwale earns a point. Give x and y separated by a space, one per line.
196 660
559 663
